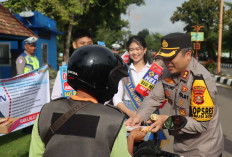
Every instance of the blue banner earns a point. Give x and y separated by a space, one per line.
67 90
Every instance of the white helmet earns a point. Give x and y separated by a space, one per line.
115 46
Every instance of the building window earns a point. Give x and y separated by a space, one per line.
44 54
5 57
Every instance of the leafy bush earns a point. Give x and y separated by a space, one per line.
210 65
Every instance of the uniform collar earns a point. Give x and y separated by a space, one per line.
75 97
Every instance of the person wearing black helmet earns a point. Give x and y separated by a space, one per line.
81 38
82 125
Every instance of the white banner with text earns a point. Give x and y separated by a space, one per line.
23 96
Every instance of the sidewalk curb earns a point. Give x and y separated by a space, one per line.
222 80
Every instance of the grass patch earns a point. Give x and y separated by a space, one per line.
15 144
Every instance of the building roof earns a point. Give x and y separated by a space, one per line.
10 25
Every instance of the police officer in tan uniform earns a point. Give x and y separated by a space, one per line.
27 61
202 135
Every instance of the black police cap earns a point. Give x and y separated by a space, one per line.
172 43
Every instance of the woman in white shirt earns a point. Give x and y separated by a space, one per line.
138 66
127 99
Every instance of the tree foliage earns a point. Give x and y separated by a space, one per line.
112 36
204 13
144 33
104 20
64 12
227 34
152 39
74 14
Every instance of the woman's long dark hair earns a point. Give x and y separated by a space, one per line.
141 42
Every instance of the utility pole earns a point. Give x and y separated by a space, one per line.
137 20
220 39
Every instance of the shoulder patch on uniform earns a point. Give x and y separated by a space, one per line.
20 60
202 106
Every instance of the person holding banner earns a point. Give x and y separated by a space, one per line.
82 125
61 88
191 92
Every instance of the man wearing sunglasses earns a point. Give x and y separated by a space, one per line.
27 61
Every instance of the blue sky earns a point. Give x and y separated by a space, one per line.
155 16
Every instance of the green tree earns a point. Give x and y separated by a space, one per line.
157 41
111 36
64 12
75 14
144 33
227 34
152 39
204 13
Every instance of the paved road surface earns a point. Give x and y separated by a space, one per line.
224 101
226 71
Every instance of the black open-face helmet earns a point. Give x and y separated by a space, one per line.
96 70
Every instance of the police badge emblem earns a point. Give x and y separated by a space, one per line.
184 88
182 112
165 43
198 94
